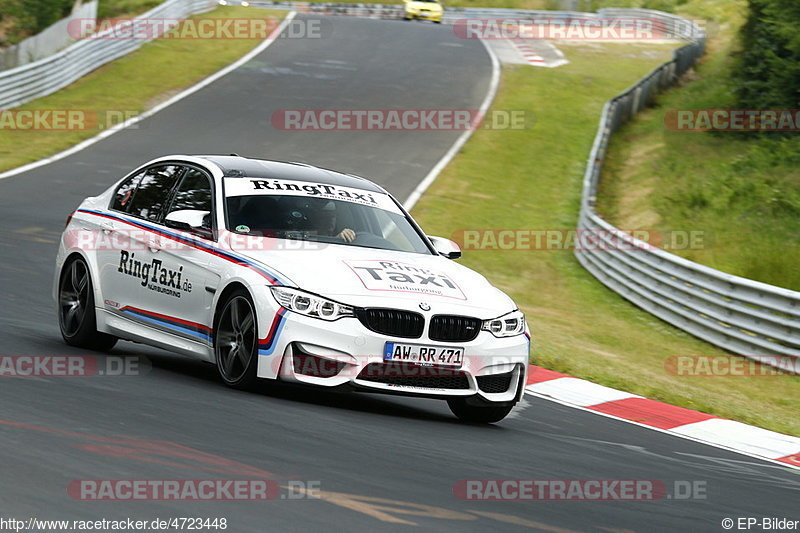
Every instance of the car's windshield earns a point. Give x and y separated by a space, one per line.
296 210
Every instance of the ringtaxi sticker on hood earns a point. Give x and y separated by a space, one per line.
396 276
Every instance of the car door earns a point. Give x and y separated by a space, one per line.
185 291
114 247
128 264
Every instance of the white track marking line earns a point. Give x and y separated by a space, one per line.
153 110
462 139
742 436
526 51
529 54
786 466
579 391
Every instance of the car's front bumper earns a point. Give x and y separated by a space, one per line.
424 15
345 353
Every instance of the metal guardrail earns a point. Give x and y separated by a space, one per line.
753 319
676 26
43 77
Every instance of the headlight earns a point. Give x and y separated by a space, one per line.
309 304
507 325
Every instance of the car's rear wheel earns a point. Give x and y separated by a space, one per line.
236 341
481 414
77 318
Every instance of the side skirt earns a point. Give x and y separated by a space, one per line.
130 330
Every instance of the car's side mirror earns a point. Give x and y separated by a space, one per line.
445 247
192 220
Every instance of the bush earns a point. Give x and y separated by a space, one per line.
661 5
769 66
24 18
124 8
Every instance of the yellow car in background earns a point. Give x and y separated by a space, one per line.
423 10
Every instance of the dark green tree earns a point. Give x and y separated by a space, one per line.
769 69
28 17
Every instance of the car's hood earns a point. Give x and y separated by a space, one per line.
372 277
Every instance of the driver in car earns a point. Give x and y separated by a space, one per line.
326 219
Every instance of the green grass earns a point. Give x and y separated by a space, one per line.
124 8
741 189
131 84
531 179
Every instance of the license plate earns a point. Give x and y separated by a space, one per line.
424 355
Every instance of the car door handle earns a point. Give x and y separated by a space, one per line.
107 227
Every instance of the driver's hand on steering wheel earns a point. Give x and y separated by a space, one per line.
347 235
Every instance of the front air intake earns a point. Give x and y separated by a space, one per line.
495 383
454 328
392 322
409 375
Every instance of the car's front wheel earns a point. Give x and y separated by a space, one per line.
236 341
76 314
481 414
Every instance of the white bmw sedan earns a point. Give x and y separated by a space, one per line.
287 271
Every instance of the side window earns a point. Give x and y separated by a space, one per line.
153 191
193 204
122 198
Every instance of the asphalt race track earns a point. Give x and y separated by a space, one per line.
383 463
